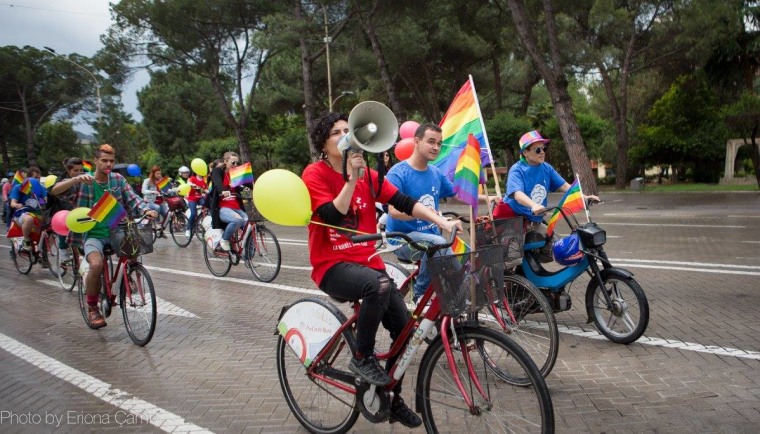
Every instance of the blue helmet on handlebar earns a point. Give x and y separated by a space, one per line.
567 251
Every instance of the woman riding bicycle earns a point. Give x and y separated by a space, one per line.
349 271
194 198
225 204
153 195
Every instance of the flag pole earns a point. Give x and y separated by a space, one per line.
485 138
473 290
583 199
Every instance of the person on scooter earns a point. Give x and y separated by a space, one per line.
529 183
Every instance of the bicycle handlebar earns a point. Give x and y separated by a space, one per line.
403 235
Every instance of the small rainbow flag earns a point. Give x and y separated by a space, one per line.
240 175
467 174
571 203
459 246
108 211
26 187
87 166
18 178
462 119
163 183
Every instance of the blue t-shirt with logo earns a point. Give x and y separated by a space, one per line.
34 200
536 182
427 186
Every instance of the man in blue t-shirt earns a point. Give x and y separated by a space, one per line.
27 207
425 183
529 183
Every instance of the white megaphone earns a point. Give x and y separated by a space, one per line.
372 127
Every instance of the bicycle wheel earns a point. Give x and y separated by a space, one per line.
177 228
49 251
628 318
199 230
263 254
217 260
532 324
22 259
67 269
138 304
502 407
320 407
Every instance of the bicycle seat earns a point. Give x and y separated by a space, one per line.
405 261
108 251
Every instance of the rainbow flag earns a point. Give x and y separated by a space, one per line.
18 178
462 119
163 183
108 211
459 246
571 203
467 174
240 175
87 166
26 187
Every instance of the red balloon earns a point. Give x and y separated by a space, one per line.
407 129
58 223
404 148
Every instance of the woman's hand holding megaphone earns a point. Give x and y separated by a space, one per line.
356 165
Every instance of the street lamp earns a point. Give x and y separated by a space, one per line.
94 78
342 94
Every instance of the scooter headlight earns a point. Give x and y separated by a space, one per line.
592 235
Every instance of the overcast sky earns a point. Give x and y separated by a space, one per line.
67 26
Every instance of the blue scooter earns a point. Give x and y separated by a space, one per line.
615 302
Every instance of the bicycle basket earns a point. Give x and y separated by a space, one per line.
253 214
455 276
176 203
130 240
508 233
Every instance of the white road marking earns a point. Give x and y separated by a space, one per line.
672 225
156 416
162 306
691 264
751 242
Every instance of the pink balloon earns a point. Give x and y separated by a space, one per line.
404 148
58 222
407 129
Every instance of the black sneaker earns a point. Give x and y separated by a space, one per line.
369 370
403 414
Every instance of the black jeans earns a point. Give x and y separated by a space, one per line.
381 302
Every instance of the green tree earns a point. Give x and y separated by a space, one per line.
56 142
743 118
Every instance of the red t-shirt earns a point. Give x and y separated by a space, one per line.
195 194
328 246
228 202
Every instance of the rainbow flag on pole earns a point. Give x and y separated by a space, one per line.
163 183
462 119
87 166
467 174
18 178
459 246
108 211
26 187
571 203
240 175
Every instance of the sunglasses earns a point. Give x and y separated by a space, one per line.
541 149
234 163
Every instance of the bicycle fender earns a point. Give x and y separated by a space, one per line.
604 272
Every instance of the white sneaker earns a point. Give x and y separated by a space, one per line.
65 255
187 234
225 245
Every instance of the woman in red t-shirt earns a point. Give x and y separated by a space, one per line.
349 271
198 188
226 205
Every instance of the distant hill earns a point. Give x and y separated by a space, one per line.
84 138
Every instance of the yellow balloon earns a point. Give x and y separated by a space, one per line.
184 189
78 221
50 180
282 198
199 167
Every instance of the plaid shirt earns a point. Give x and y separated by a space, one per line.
119 189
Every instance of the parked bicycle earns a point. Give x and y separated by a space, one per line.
614 300
128 280
175 219
254 243
468 377
521 310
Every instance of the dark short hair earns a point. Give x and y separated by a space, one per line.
32 170
320 131
70 162
420 131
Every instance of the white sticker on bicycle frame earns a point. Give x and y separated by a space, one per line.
307 327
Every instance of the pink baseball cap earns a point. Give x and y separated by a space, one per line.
530 138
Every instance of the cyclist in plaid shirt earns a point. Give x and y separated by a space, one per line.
92 189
